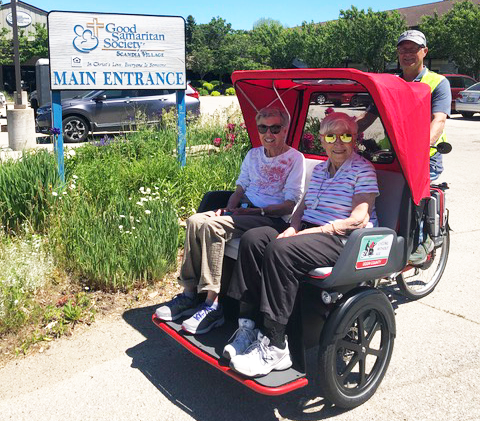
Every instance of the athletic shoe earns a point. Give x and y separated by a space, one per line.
423 250
243 337
204 320
260 358
179 306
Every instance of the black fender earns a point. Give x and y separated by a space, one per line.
372 298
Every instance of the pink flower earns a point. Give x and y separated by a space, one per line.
329 110
243 126
231 127
308 139
231 137
217 141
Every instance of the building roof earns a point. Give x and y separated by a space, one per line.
413 14
26 5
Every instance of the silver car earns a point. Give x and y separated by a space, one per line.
113 110
468 101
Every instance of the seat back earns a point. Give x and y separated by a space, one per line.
388 203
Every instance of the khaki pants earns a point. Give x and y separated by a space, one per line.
205 245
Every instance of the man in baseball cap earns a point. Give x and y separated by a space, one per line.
411 50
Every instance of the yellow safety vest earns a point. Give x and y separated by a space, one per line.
432 79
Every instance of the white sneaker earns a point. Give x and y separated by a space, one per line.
243 337
260 358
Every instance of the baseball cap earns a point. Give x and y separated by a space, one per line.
413 35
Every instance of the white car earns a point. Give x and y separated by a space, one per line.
3 103
468 101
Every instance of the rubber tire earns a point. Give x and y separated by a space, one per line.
337 104
321 99
75 129
333 389
413 294
354 102
466 114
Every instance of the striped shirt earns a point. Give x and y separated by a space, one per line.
330 198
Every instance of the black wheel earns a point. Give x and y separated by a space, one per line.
355 356
337 104
75 129
466 114
354 102
418 282
321 99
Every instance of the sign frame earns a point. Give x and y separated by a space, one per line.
137 63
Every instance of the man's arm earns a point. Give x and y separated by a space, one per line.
437 125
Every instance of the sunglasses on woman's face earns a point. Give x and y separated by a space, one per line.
274 128
344 137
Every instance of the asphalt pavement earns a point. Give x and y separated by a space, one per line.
124 368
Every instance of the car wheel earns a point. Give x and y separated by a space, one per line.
75 129
466 114
354 102
337 104
321 99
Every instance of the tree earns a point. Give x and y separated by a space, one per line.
277 46
455 35
368 38
189 31
38 47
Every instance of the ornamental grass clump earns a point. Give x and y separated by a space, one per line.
115 244
25 191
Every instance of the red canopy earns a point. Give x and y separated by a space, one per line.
403 107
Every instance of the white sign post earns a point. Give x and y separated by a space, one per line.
115 51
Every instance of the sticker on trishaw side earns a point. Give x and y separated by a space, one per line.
374 251
115 51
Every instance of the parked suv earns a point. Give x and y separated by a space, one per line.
113 110
458 83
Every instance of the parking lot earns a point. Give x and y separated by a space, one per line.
124 368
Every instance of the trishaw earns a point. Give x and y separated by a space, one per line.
340 310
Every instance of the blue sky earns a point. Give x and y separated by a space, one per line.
242 14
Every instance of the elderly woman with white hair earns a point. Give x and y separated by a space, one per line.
340 198
270 184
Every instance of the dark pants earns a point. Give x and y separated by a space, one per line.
268 271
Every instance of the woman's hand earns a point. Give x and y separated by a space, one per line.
223 212
289 232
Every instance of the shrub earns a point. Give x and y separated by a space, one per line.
230 91
202 91
215 93
208 86
215 83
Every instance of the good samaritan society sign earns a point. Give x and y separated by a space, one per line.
103 51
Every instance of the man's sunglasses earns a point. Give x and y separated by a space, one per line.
413 50
274 128
331 138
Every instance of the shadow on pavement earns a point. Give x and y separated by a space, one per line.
207 394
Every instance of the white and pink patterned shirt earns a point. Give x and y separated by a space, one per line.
330 198
271 181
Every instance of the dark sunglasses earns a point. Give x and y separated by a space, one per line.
274 128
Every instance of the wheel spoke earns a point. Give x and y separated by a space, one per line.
371 334
349 367
362 365
350 346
